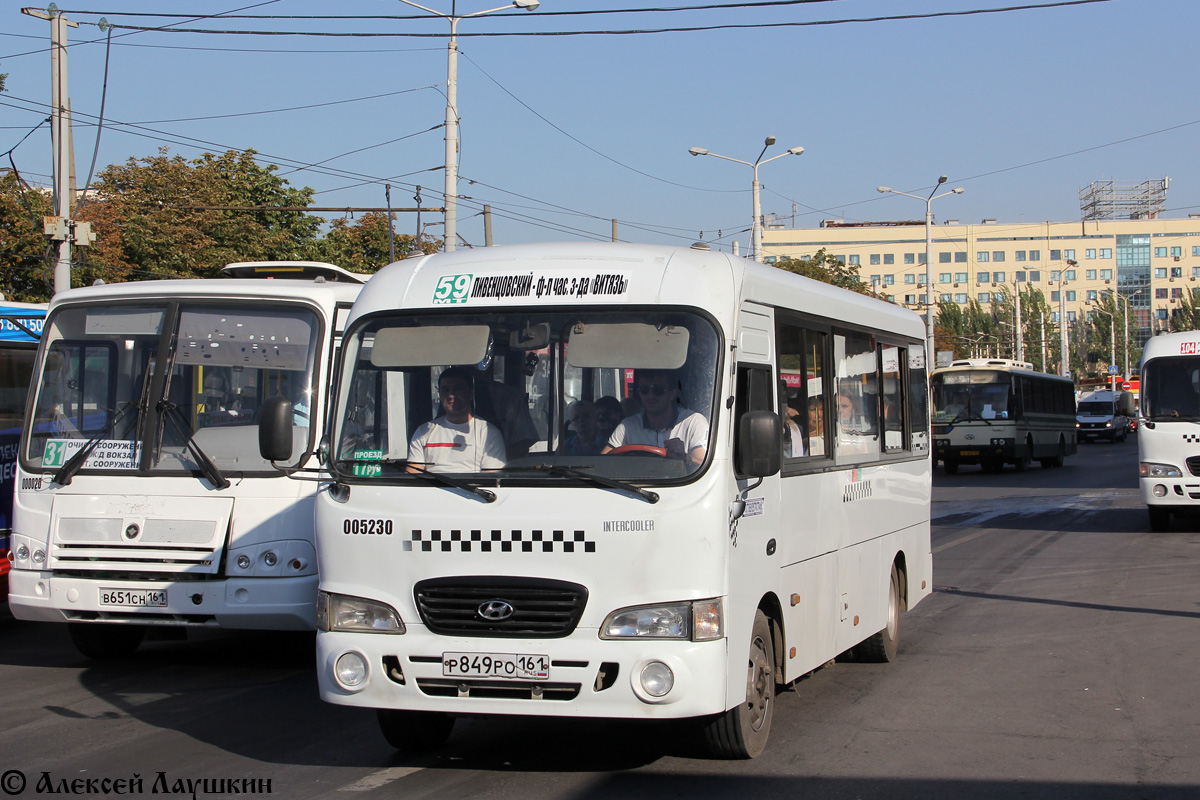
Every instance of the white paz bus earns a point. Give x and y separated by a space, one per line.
1169 433
142 499
756 504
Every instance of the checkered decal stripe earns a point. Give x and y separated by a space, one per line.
499 541
1191 438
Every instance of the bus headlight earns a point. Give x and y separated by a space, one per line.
1149 470
337 612
698 621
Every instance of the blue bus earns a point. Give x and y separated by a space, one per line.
20 329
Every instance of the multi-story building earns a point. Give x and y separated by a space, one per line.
1154 263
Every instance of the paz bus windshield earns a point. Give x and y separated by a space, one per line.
974 395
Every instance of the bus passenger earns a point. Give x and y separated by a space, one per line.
663 422
608 415
584 438
457 441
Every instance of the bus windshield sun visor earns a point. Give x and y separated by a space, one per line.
630 345
421 346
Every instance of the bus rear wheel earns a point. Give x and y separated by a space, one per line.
415 730
1160 519
882 647
103 641
742 731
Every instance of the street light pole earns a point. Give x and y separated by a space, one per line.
930 355
756 225
450 235
1122 298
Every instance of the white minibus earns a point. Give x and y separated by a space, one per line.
1169 430
141 496
493 544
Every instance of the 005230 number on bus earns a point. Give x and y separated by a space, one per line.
367 527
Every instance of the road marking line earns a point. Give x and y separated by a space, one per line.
962 540
380 778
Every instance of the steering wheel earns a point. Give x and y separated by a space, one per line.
634 449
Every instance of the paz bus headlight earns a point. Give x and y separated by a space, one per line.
338 612
1149 470
699 621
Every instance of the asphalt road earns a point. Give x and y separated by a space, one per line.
1054 660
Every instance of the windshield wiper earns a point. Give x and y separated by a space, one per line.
596 480
437 477
68 470
210 470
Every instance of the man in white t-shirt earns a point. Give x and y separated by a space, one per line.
683 433
457 441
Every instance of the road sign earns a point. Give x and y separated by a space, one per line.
1125 387
1112 369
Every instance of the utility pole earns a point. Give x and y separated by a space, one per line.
1019 348
61 227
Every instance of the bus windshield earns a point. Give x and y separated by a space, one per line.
527 394
1171 388
105 386
975 395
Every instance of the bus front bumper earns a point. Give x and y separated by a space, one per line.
249 603
1181 493
587 676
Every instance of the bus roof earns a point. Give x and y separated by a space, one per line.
292 270
322 292
584 273
1186 343
999 365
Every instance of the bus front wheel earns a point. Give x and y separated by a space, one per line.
415 730
742 731
1160 519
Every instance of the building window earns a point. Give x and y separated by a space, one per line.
983 277
874 259
1177 294
985 297
1069 275
1020 275
910 258
1054 296
1196 250
1069 255
1035 275
1160 313
1070 316
910 299
909 278
1019 255
997 277
1160 252
1196 272
889 280
1160 272
1056 255
1176 252
889 258
1106 274
960 297
1035 255
924 299
997 255
1090 253
875 280
922 279
1070 295
960 257
1176 272
1160 294
983 257
944 298
1055 275
921 258
943 258
1091 295
854 262
943 277
1106 252
1090 274
960 277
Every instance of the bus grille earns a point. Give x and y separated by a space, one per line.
540 608
1193 465
498 690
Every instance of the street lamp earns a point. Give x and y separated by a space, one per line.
929 354
756 228
1064 365
451 233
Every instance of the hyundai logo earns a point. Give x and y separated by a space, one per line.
495 610
970 437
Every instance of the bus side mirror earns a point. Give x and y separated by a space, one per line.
759 452
275 429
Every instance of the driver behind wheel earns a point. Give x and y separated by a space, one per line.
663 422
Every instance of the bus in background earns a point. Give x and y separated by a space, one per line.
20 327
1105 415
994 412
141 498
1169 435
683 566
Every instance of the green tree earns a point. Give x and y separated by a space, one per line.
827 269
155 216
26 257
362 245
1187 316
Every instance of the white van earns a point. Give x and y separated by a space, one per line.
1105 415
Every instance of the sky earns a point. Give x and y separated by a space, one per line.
561 134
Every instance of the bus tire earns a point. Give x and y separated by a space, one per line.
742 731
103 642
415 730
881 648
951 467
1160 519
1057 459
